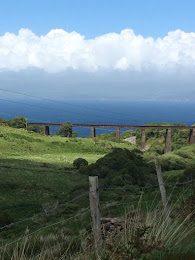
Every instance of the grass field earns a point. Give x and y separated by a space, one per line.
20 144
36 170
36 176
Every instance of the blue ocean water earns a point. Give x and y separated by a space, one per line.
99 112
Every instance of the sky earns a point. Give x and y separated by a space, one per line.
98 49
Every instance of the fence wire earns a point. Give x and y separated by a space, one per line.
51 225
133 189
145 187
45 213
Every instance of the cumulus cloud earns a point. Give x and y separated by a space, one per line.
60 50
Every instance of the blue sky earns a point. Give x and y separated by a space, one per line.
96 17
90 49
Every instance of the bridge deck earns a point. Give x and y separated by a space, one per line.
116 126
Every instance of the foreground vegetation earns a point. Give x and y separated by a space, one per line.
37 177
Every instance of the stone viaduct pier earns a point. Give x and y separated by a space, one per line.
118 127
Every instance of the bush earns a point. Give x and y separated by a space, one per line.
19 122
122 167
80 162
65 130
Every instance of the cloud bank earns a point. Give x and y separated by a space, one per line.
60 51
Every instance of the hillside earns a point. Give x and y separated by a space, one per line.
37 169
37 177
20 144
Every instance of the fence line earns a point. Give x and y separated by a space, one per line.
51 225
142 201
43 213
94 189
86 193
144 187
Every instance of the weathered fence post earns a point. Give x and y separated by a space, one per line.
95 211
161 185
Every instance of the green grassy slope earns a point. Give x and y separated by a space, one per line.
36 170
36 173
20 144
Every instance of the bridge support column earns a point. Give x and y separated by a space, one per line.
143 139
192 136
45 129
168 141
118 134
93 134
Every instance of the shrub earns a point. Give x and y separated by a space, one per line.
80 162
19 122
122 167
65 130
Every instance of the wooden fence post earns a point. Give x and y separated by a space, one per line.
161 185
95 211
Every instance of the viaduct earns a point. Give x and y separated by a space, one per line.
143 134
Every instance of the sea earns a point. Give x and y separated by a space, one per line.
120 112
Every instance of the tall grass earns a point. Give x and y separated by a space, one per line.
145 234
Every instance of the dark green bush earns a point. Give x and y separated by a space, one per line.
80 162
122 167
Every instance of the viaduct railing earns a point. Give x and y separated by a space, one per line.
118 127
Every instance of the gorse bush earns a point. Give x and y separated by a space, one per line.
122 167
80 162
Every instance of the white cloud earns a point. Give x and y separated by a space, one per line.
60 50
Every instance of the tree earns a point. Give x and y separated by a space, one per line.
19 122
65 130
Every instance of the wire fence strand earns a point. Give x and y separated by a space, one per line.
51 225
46 212
145 187
133 189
